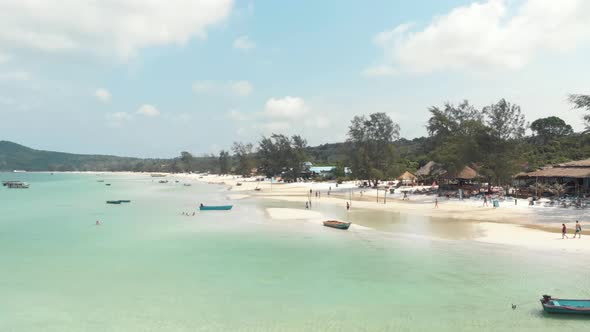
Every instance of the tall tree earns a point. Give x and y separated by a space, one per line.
507 126
224 162
281 155
505 120
185 163
243 152
582 102
458 135
549 128
371 141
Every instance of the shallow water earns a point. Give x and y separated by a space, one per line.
148 268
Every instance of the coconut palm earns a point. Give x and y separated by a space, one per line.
558 189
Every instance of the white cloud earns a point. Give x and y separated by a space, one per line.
103 95
487 35
120 28
285 108
148 110
118 119
244 43
203 86
241 88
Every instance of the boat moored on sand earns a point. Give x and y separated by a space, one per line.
565 306
215 207
337 224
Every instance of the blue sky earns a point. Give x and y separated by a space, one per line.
150 78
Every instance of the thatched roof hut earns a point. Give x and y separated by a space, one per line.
434 169
579 169
407 176
431 169
467 173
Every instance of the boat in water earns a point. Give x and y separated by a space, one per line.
565 306
114 202
337 224
15 184
215 207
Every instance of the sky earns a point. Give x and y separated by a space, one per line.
151 78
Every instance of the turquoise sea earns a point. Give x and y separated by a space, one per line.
149 268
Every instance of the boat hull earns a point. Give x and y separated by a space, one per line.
337 224
566 306
215 207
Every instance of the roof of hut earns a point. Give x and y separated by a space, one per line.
407 176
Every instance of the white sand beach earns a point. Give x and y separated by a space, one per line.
511 224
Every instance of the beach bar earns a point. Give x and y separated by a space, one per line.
574 176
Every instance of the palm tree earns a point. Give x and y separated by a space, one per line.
558 189
542 188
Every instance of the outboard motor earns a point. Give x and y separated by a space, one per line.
546 298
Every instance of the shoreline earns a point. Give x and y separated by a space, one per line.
509 225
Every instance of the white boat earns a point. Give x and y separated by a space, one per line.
19 171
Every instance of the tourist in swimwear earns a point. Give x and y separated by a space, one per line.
578 230
563 232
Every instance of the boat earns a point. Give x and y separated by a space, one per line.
113 202
187 184
565 306
163 181
156 175
125 201
215 207
337 224
107 184
19 171
99 180
15 184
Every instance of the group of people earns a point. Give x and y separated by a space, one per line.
187 214
578 231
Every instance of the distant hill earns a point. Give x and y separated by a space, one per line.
15 156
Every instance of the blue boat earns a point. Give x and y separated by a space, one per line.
565 306
215 207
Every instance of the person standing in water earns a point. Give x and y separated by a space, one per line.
347 206
578 230
563 232
98 223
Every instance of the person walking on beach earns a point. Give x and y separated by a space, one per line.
563 232
307 206
578 230
436 203
485 200
347 206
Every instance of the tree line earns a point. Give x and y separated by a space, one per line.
492 139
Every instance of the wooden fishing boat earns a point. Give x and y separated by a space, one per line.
337 224
565 306
113 202
107 184
215 207
125 201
